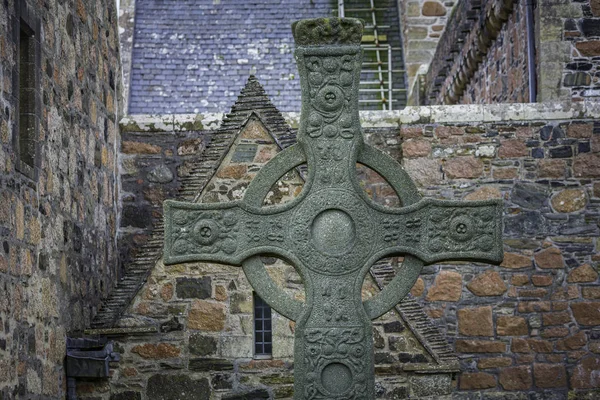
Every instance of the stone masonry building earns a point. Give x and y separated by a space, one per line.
59 183
84 174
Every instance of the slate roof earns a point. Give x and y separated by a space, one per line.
191 56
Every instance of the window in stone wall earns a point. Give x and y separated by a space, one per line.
27 82
263 340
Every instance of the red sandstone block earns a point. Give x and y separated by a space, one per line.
585 374
516 378
535 293
511 326
513 148
573 342
480 346
555 332
519 280
556 318
494 362
476 380
580 130
542 280
534 306
476 321
416 148
587 165
463 168
549 375
589 48
549 258
411 132
591 292
586 313
443 132
560 305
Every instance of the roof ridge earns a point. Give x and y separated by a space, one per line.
412 313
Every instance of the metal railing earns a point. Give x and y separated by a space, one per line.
378 87
385 87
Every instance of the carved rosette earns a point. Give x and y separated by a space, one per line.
204 232
467 229
330 82
337 361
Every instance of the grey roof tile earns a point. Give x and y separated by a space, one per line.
183 46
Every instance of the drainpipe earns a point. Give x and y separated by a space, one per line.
87 358
531 65
71 388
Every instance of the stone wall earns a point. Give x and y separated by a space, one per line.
483 58
423 23
569 46
152 162
126 29
208 308
57 225
502 75
528 328
531 324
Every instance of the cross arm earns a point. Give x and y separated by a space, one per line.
227 232
438 230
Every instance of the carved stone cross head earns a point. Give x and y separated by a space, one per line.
332 232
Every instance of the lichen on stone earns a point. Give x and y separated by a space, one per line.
327 31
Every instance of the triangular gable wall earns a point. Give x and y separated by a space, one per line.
248 134
252 99
253 147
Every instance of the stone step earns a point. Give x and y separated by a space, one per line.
145 259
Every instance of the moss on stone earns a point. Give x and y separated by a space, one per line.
327 31
277 379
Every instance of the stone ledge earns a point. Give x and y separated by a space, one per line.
140 330
171 122
472 113
429 368
461 51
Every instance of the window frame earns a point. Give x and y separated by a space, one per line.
259 303
26 21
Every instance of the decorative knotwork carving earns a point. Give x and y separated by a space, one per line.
327 31
331 232
330 85
339 352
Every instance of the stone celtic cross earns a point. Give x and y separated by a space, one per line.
332 232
